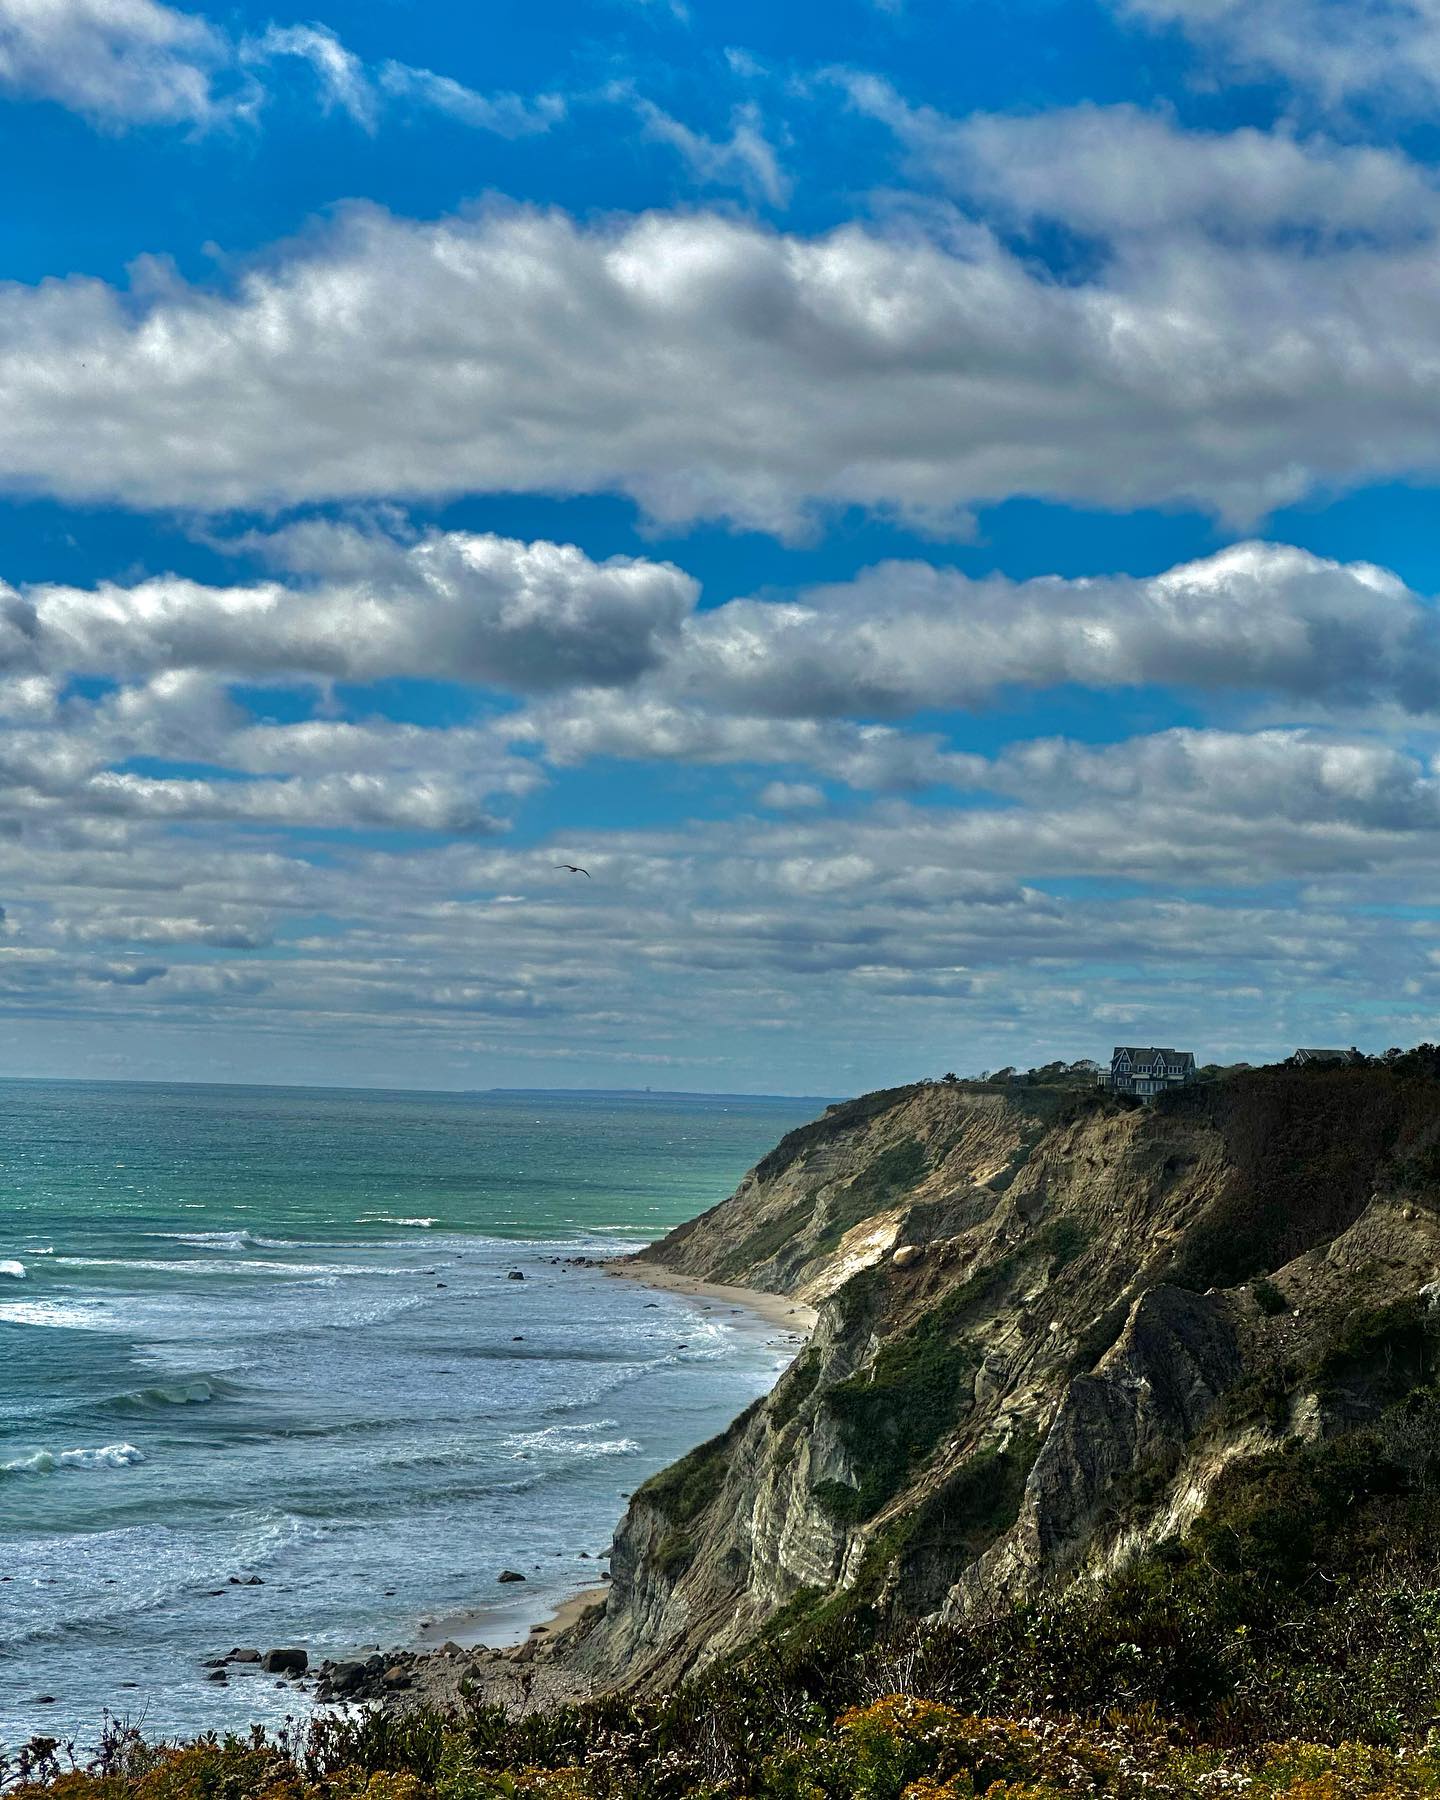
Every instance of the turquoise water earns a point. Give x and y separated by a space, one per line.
270 1332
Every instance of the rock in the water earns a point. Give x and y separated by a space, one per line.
217 1675
516 1275
244 1656
509 1575
285 1662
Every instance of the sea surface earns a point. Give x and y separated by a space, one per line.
270 1332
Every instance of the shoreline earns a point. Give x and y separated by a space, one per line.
775 1309
533 1673
462 1629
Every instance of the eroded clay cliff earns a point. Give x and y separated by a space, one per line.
1048 1320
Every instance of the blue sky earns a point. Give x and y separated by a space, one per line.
932 504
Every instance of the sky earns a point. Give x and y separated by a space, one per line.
931 503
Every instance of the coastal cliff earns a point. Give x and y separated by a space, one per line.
1049 1322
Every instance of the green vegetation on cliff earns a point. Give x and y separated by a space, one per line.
1286 1647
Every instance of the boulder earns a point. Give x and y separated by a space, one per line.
516 1275
906 1255
509 1575
244 1656
285 1662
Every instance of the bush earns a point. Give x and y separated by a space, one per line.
1269 1298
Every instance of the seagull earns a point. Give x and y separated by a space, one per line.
575 871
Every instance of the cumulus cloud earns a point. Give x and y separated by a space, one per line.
622 662
464 606
117 61
1123 173
709 368
908 635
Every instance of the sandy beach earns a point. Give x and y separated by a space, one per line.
475 1627
775 1309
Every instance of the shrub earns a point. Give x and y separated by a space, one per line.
1269 1298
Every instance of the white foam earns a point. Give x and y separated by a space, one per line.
229 1266
219 1240
570 1440
76 1315
390 1219
16 1270
47 1462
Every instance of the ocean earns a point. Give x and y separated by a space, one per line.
271 1333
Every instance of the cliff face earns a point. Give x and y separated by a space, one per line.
1048 1321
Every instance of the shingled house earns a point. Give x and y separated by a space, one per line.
1148 1071
1304 1059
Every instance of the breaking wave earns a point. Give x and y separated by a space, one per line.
223 1240
197 1392
572 1441
16 1270
48 1462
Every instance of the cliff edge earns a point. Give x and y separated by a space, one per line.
1049 1320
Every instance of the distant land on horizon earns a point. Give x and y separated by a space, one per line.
327 1087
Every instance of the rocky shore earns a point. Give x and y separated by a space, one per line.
526 1678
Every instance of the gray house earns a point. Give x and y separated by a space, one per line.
1304 1059
1148 1071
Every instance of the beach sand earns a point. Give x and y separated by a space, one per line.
775 1309
476 1625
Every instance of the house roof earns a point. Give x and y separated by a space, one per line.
1152 1051
1339 1055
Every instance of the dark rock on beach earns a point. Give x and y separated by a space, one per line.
285 1662
509 1575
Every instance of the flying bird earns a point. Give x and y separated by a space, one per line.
575 871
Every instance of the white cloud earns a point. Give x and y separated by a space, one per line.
1339 50
339 73
139 62
453 605
1258 618
709 368
1126 174
790 796
746 159
635 669
507 115
650 728
119 62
